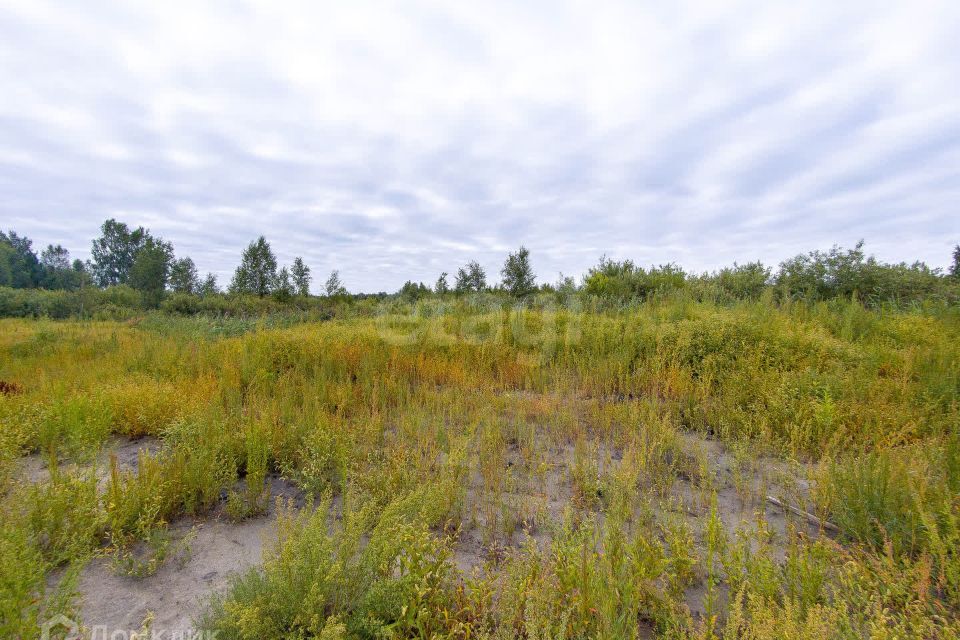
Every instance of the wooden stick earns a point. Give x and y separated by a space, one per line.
809 516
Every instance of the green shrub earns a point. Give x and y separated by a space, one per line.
318 582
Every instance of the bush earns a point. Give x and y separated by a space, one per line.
318 583
743 282
840 273
624 280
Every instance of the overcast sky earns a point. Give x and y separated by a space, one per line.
398 140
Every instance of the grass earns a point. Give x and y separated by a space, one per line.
515 473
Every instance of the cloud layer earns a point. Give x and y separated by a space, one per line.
398 140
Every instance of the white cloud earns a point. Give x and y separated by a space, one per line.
396 140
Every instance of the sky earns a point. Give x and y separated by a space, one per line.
397 140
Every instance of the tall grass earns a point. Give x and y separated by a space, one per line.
543 447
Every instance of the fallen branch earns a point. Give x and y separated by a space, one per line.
829 526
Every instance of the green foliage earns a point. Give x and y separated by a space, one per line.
322 583
115 251
209 286
151 269
300 273
441 288
840 273
901 501
111 303
257 272
59 272
25 598
183 276
65 516
136 258
333 286
624 280
413 291
19 266
55 258
518 276
743 282
471 278
872 500
253 500
283 289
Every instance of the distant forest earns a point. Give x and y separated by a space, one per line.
131 270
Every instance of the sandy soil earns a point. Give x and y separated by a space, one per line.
178 591
741 494
35 469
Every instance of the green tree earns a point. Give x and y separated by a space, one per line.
283 286
471 278
518 276
955 267
19 266
151 269
83 273
333 286
184 277
55 257
115 251
413 291
257 272
58 272
442 288
301 277
209 286
7 257
565 288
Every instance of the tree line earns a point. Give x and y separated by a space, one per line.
814 276
136 260
135 257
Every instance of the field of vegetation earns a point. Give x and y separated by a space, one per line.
463 468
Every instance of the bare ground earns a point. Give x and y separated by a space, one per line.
216 549
35 467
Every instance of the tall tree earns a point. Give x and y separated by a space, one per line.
151 269
83 273
209 286
115 251
7 257
257 271
301 277
413 291
58 273
183 276
283 286
955 267
471 278
19 266
333 286
442 287
518 276
55 257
